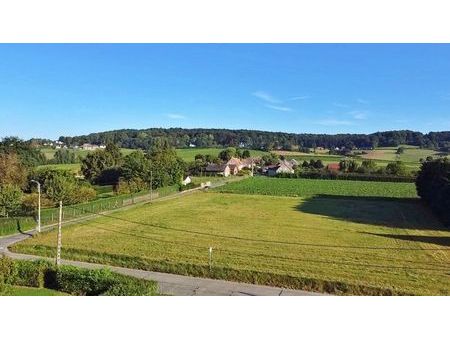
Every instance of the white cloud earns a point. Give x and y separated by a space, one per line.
176 116
340 105
358 115
280 108
296 98
266 97
335 122
363 101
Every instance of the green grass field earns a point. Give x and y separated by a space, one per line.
72 167
188 154
27 291
411 154
50 152
308 187
327 243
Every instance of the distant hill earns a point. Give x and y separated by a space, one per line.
256 139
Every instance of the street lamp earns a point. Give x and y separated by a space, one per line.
38 228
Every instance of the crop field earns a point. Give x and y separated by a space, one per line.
308 187
333 244
410 155
188 154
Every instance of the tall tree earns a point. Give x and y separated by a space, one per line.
12 171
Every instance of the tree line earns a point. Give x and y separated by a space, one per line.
433 186
255 139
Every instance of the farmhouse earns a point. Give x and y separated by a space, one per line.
279 168
218 169
186 181
89 146
235 162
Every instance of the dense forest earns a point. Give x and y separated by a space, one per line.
254 139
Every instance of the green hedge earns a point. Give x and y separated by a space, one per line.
73 280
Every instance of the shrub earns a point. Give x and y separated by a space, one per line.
31 273
82 282
7 270
73 280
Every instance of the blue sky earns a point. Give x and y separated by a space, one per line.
52 90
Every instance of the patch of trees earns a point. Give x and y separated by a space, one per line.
64 156
313 164
62 185
29 155
255 139
433 186
159 166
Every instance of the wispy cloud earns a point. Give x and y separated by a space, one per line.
358 114
335 122
362 101
340 105
266 97
297 98
176 116
279 108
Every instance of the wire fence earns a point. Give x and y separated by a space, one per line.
49 216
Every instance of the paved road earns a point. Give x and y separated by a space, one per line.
169 283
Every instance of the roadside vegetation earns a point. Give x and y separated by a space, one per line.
29 278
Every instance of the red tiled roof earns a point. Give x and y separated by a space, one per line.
333 166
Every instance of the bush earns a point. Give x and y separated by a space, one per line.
31 273
131 186
73 280
7 270
433 186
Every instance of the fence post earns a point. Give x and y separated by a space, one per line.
210 258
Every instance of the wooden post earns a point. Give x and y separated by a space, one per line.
210 258
58 246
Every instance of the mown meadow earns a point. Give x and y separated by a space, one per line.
320 242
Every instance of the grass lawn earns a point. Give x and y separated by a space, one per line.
188 154
73 167
50 152
333 243
308 187
27 291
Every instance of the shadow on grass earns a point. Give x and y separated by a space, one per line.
444 241
404 213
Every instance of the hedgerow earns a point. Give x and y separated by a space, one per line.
73 280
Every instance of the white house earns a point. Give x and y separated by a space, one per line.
186 181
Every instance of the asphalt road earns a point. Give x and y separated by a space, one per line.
169 284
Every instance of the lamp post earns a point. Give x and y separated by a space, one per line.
38 228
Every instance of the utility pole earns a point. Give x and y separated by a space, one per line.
38 228
58 247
